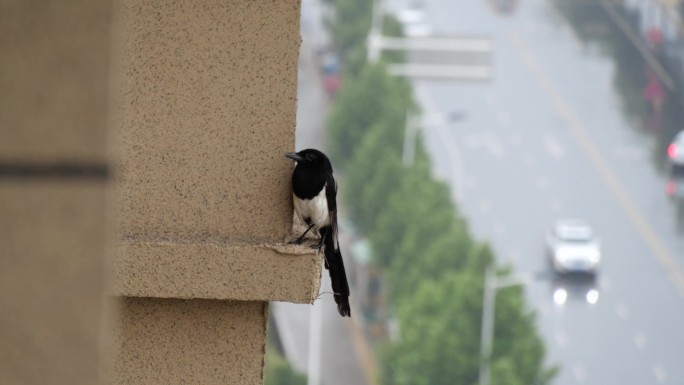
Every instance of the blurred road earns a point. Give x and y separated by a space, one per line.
344 358
547 139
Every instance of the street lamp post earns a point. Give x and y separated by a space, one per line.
488 308
491 284
413 125
373 50
410 131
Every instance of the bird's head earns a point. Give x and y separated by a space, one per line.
310 158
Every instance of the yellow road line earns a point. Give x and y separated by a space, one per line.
660 251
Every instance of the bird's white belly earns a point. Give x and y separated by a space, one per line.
316 209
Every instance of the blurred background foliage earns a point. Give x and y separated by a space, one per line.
433 266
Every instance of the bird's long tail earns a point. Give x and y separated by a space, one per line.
338 276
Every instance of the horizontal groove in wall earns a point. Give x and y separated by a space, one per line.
53 170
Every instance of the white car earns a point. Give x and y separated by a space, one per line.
675 151
572 247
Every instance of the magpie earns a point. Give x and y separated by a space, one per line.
314 193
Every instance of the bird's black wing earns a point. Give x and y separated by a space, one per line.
331 198
333 256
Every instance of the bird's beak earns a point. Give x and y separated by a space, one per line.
294 156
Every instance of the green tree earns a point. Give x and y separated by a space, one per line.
434 266
354 63
355 59
377 172
393 28
421 205
440 324
439 343
279 372
350 24
361 103
516 344
418 262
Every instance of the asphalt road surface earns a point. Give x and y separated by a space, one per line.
545 139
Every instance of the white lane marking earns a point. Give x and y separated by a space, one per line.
499 229
640 340
562 339
514 256
485 206
530 160
579 372
503 118
491 98
629 153
471 182
605 283
496 149
553 147
622 311
474 141
515 138
542 183
486 140
659 373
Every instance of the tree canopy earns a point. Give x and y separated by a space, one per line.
279 372
355 113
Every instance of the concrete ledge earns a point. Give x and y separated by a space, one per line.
244 272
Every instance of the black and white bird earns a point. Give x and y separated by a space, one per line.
314 193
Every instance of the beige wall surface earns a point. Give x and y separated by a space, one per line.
217 271
52 235
208 110
205 111
54 77
174 341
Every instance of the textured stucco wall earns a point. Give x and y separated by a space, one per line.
206 103
217 271
204 110
54 77
208 111
52 235
174 341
